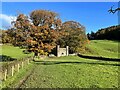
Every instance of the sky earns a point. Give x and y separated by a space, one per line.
60 0
92 15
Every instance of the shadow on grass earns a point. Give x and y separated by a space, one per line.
55 62
5 58
99 58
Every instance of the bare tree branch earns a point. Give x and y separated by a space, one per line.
113 10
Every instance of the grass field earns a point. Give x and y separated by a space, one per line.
105 48
71 71
13 52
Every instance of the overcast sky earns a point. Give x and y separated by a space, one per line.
93 15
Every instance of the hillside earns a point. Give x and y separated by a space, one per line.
109 33
104 48
12 52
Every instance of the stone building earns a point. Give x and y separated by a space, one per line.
62 51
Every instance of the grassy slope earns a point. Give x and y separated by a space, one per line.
13 52
76 72
103 48
73 72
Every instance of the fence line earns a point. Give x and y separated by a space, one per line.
11 68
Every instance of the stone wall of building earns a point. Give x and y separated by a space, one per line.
62 51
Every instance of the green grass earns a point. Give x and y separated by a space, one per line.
14 81
73 72
105 48
17 53
13 52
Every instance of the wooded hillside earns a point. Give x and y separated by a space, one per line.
110 33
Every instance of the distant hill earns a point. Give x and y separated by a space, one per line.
109 33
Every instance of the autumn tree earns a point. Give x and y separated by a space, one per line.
47 23
73 36
5 37
42 30
39 32
21 30
45 18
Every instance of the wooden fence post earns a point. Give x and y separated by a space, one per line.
18 67
12 70
22 65
5 75
28 60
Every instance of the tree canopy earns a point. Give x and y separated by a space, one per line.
73 36
42 30
110 33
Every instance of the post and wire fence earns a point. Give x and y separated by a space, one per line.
11 68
